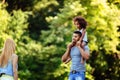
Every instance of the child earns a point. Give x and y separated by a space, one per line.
8 61
81 24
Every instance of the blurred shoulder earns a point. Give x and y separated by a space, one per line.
15 55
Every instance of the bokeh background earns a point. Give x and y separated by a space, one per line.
43 28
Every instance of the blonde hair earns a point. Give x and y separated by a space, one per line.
8 50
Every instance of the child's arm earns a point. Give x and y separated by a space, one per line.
15 71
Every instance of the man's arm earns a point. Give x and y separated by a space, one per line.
84 53
66 55
68 60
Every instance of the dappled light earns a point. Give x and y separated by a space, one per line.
42 30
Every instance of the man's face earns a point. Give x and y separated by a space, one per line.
75 38
77 25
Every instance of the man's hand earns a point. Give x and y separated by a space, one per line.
66 56
78 44
70 45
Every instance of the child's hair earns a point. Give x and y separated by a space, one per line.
8 50
82 22
78 32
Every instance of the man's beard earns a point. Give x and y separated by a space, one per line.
74 41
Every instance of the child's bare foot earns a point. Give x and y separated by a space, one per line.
82 61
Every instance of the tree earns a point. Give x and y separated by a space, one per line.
42 40
103 20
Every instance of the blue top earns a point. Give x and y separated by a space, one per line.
76 59
8 69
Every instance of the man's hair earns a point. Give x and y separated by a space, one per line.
78 32
82 22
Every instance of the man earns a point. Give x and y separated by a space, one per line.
81 25
74 52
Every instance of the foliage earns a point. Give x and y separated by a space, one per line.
43 28
102 32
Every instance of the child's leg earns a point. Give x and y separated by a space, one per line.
82 60
82 45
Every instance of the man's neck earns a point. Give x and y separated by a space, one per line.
80 29
75 44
